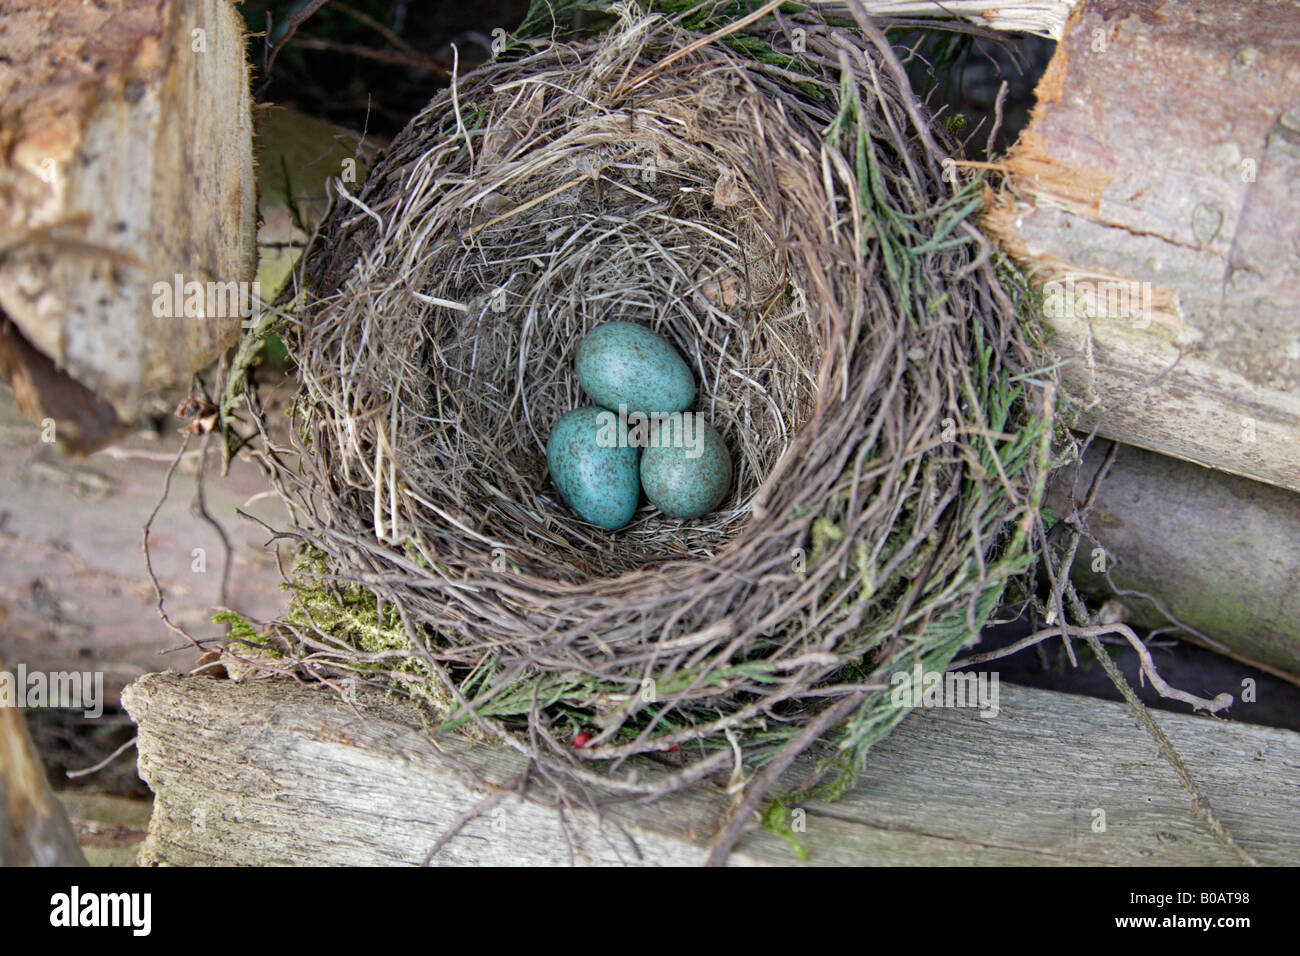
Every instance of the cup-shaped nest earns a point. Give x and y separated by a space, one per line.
790 222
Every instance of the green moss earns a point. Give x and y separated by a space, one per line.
776 819
866 570
824 533
411 549
351 613
240 629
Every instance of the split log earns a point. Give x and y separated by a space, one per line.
272 772
1219 552
125 160
1153 198
34 829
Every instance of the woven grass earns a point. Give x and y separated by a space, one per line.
789 222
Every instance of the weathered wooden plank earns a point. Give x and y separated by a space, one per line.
272 772
74 595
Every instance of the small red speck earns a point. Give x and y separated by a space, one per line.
670 750
581 740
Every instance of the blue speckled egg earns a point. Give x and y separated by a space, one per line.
686 479
622 363
595 477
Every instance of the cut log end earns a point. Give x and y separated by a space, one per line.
127 140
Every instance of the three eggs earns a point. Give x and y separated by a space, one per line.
638 436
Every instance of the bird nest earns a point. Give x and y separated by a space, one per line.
788 220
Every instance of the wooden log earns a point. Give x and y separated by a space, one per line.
125 161
270 772
34 829
1221 553
1152 197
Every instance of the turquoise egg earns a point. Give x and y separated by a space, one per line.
622 363
595 477
688 477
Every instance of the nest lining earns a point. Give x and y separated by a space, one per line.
792 232
621 216
609 247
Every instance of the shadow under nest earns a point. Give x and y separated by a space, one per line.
788 221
